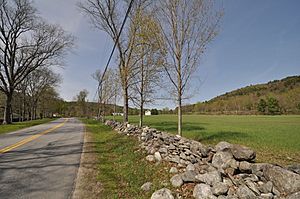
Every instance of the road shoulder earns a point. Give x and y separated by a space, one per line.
86 185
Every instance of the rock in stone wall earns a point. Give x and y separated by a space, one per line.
224 171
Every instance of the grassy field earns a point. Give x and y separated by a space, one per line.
20 125
276 139
122 166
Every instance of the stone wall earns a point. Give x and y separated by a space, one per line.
223 171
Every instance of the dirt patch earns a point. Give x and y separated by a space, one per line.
87 185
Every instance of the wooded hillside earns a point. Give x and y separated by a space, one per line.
275 97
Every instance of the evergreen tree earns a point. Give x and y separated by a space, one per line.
273 106
262 105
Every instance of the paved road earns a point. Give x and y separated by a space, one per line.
41 161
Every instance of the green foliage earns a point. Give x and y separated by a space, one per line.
261 107
273 106
154 111
275 138
122 167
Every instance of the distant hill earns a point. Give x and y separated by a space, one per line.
275 97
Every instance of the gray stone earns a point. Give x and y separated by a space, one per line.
255 167
243 153
227 181
245 166
220 188
172 147
143 134
231 191
150 158
175 159
251 185
198 147
203 191
275 191
157 156
221 159
244 192
295 168
252 178
233 164
221 146
210 178
284 180
173 170
266 187
176 180
147 186
187 151
181 161
266 195
163 193
190 167
230 171
182 156
294 196
163 150
189 176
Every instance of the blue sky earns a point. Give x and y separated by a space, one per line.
259 41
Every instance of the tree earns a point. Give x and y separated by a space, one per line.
154 111
262 105
50 102
37 82
188 27
26 43
108 91
148 58
105 15
81 100
273 106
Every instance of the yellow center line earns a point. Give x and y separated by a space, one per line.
22 142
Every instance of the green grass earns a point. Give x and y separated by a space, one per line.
276 139
20 125
122 166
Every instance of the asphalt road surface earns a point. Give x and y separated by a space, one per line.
41 161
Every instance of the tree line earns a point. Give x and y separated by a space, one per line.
159 50
29 49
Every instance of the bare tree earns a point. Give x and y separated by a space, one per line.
106 15
148 58
188 26
26 43
108 91
37 82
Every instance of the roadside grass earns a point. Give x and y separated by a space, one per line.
122 166
20 125
276 139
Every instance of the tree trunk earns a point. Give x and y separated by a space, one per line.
7 119
141 114
35 112
179 116
125 108
24 108
103 111
115 107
